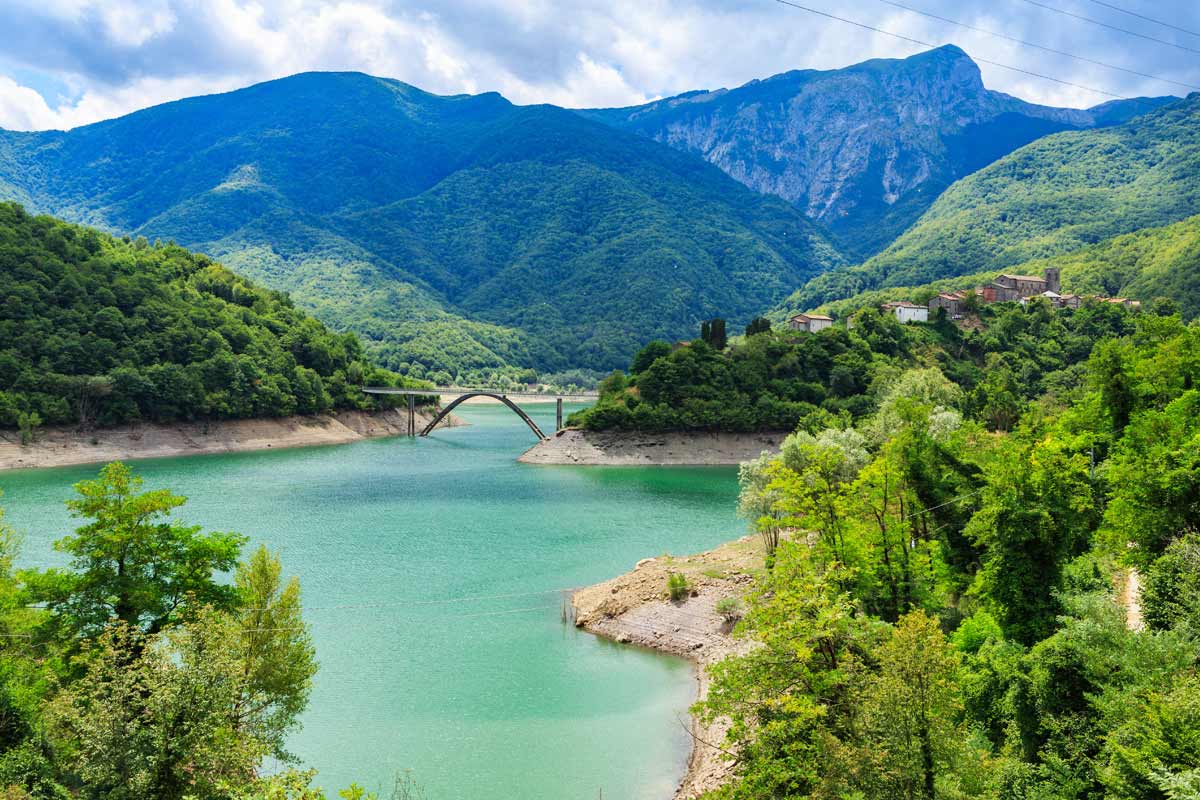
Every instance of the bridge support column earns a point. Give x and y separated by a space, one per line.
558 415
412 415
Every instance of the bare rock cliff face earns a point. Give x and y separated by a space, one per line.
865 149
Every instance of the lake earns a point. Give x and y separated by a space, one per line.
433 573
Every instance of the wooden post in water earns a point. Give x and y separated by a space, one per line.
558 423
412 415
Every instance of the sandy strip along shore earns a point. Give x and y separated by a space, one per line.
633 609
58 447
631 448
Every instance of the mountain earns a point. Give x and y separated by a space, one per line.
866 149
99 330
1054 196
453 233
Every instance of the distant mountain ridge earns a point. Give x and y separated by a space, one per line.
455 232
864 149
462 234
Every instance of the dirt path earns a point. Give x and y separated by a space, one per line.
634 609
1131 598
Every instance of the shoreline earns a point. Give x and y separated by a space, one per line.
635 448
61 447
633 609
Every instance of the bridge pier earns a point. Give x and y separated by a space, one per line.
558 415
412 415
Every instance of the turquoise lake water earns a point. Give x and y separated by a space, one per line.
432 572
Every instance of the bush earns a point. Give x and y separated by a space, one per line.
730 609
677 586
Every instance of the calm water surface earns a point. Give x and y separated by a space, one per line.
490 696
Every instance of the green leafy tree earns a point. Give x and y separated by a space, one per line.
1038 510
1155 479
648 355
277 651
159 725
132 562
913 710
758 325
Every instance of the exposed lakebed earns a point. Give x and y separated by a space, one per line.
432 572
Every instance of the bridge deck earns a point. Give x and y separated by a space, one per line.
440 390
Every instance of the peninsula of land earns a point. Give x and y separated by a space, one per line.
633 448
634 609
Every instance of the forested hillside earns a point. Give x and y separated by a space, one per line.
96 330
457 234
951 613
1054 196
1150 265
778 380
864 149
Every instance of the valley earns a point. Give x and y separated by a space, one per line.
909 363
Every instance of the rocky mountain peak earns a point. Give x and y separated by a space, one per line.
864 149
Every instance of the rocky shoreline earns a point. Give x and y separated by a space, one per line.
632 448
59 447
634 609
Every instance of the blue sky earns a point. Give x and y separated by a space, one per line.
70 62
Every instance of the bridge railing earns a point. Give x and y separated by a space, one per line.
584 395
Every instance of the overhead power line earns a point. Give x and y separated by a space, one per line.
923 43
1043 48
1143 16
1117 28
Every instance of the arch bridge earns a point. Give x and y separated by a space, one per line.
462 395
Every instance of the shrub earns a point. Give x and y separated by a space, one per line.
677 586
730 609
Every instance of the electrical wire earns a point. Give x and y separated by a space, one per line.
923 43
1146 18
1036 46
1117 28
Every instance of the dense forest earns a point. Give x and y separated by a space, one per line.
952 613
1055 196
98 331
775 380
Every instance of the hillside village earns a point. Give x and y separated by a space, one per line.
1005 288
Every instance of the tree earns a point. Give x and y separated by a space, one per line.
758 325
1037 513
1155 479
648 355
159 725
796 697
132 562
719 339
279 658
913 707
1156 752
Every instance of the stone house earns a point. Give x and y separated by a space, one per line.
810 323
955 303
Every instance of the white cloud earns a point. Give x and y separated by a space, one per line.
119 55
23 109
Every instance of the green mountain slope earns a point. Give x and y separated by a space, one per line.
1055 196
453 233
98 330
865 149
1144 265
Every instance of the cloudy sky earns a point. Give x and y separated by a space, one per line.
65 63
